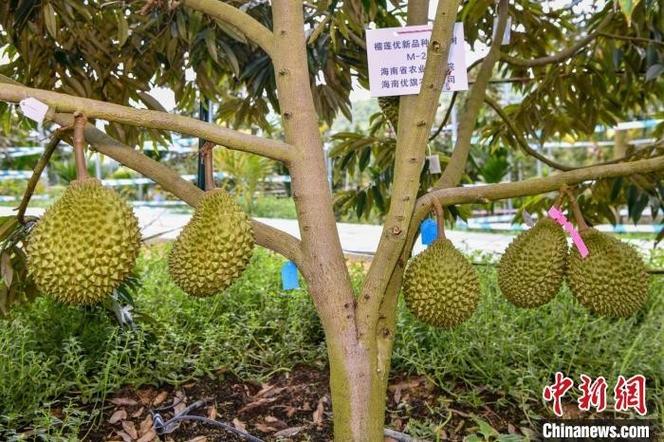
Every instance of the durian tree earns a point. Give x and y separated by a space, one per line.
98 59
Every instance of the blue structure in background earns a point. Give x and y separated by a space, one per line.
429 230
289 280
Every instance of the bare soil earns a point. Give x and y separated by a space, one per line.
292 406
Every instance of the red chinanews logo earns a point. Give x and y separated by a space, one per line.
628 394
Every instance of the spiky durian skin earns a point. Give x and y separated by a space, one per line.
612 280
532 269
85 245
214 248
441 287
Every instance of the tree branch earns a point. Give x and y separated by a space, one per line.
244 23
631 38
457 164
446 118
232 139
534 186
564 54
169 180
416 116
523 143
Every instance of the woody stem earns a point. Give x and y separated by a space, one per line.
80 121
209 166
440 217
577 211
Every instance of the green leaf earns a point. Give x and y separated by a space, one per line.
7 226
211 45
123 29
50 20
654 71
628 7
151 102
6 269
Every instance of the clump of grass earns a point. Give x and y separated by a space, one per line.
53 358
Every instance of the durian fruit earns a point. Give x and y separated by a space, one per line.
441 287
84 245
532 269
390 107
612 279
214 248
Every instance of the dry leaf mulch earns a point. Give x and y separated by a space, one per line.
291 406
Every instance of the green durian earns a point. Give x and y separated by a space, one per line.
213 248
441 287
532 269
390 108
612 280
84 245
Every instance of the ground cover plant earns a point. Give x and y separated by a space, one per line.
61 365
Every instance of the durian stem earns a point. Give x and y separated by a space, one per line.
37 171
80 120
209 165
561 196
577 211
440 217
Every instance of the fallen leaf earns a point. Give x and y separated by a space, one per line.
276 423
138 412
118 416
264 428
146 425
198 439
147 437
290 411
125 437
145 396
288 432
318 414
269 391
255 404
212 412
160 398
123 402
237 423
190 385
180 402
130 429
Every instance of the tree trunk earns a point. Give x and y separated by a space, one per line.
357 390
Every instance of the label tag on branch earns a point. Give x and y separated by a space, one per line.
561 219
34 109
508 30
429 230
289 280
397 56
434 164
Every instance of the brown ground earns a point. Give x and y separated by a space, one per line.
292 406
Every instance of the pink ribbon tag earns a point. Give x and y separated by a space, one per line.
561 219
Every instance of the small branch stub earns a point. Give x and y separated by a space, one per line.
440 217
80 120
578 215
208 157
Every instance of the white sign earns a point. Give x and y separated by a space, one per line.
33 109
397 56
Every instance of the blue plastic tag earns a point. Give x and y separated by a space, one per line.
289 279
429 230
